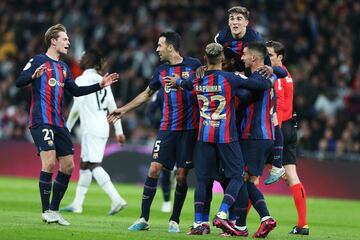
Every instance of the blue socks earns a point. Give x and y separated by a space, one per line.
59 188
165 184
45 183
208 199
200 197
148 196
257 200
278 148
231 194
180 195
241 206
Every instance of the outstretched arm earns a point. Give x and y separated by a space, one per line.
136 102
111 105
77 91
254 82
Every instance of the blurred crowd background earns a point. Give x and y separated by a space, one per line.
321 38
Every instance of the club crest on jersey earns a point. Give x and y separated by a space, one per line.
185 75
50 143
155 156
64 73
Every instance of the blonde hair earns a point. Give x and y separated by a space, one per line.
214 52
240 10
53 32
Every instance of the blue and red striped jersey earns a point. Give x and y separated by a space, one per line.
216 94
179 108
225 38
257 117
47 98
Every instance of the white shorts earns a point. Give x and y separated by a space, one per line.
92 148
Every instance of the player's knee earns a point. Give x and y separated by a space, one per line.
84 165
181 179
292 180
238 178
92 166
181 175
67 167
253 179
48 166
154 170
246 177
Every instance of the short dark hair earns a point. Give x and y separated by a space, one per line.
258 47
232 60
239 10
91 59
172 38
53 32
279 48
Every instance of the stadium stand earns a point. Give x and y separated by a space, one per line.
321 37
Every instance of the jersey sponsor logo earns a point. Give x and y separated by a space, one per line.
52 82
155 155
211 123
185 75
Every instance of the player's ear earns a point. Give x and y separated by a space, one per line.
171 47
246 22
253 57
53 41
222 58
281 57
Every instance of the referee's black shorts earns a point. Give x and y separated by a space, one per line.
290 141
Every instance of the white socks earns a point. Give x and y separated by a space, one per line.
104 181
82 187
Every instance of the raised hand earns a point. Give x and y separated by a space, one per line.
171 80
39 71
200 71
109 79
116 115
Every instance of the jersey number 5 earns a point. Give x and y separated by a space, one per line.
205 107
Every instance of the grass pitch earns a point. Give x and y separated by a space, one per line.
20 216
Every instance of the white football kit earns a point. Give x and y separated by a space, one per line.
92 110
